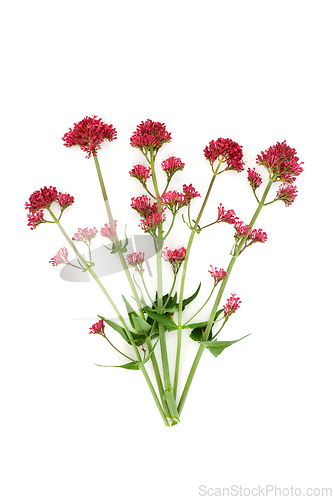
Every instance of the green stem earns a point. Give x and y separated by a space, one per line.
121 319
194 315
218 299
122 258
181 292
164 353
116 239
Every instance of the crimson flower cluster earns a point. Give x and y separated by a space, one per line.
254 178
231 306
217 274
225 151
141 173
89 134
171 166
43 199
150 136
281 161
98 328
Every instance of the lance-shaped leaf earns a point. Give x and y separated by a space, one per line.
216 346
133 365
130 311
191 298
165 319
140 324
138 339
116 327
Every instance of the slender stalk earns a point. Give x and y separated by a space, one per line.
121 319
194 315
124 263
218 299
164 353
116 239
181 292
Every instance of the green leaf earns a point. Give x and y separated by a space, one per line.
130 312
196 334
165 319
117 327
189 299
141 324
133 365
216 346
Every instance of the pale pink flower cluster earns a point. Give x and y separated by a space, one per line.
85 235
61 257
109 231
136 260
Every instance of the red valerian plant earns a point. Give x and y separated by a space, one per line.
153 317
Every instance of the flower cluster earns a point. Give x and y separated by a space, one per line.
190 192
136 260
172 165
226 151
150 223
174 200
228 216
98 328
43 199
286 193
89 134
231 306
254 178
257 235
241 229
217 274
144 206
85 235
141 173
175 257
149 136
109 231
61 257
281 162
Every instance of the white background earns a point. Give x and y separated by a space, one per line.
257 72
